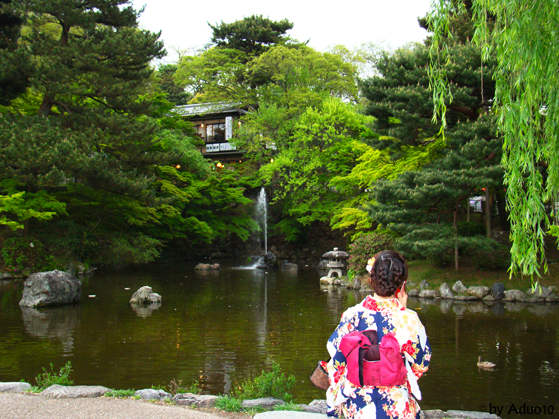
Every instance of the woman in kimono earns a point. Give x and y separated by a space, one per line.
379 350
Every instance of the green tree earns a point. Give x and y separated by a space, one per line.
93 134
252 35
165 78
325 143
521 35
215 75
425 206
14 64
351 214
294 78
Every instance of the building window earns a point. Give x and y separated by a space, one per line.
211 131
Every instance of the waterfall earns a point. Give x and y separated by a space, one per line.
262 216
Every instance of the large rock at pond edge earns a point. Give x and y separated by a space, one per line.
145 296
539 292
429 294
14 387
498 291
317 406
413 293
73 392
515 295
445 291
195 400
266 403
52 288
151 394
459 287
478 292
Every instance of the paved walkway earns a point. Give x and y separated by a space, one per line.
30 406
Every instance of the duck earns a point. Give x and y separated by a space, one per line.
484 364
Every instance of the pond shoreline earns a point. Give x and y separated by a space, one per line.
317 407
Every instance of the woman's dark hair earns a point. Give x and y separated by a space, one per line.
389 272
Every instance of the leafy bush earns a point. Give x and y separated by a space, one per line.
21 252
47 379
269 384
493 260
130 248
366 246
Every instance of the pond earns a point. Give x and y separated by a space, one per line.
223 327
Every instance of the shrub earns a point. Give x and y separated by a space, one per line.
21 252
469 229
47 379
366 246
269 384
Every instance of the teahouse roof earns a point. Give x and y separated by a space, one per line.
334 254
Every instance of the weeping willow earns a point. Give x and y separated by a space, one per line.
523 35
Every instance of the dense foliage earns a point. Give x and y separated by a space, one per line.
91 164
521 35
425 206
95 165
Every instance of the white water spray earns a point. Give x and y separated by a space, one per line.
262 216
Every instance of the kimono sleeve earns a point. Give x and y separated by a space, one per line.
336 366
418 350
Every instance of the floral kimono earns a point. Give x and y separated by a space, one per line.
346 399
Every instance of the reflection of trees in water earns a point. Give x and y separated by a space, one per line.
520 338
55 322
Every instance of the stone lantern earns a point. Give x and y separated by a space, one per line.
336 262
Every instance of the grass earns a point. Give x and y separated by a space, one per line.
121 394
175 387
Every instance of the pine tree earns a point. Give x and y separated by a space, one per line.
253 35
91 135
521 35
425 207
15 67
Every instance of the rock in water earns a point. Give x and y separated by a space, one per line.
43 289
459 288
445 291
146 296
498 291
479 291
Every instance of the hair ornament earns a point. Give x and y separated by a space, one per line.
370 264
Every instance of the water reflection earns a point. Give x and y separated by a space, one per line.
55 322
223 327
145 310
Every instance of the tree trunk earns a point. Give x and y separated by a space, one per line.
456 240
488 212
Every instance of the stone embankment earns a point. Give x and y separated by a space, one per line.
460 292
315 409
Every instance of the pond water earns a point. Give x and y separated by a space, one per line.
221 328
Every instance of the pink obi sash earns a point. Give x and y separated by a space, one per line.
370 364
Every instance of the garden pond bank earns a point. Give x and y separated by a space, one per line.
222 327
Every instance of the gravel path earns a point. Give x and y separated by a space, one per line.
29 406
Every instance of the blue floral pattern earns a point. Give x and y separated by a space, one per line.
346 400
